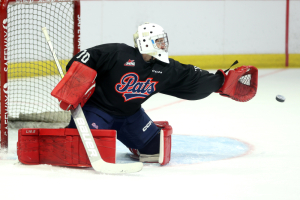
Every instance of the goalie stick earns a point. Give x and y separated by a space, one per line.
86 136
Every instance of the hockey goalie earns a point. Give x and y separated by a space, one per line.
111 81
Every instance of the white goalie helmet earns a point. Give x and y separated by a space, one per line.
152 40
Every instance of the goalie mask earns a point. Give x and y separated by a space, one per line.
152 40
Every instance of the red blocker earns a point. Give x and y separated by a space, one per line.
62 147
76 87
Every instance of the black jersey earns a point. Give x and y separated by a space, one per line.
124 80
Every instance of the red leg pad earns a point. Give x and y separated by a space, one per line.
62 147
167 130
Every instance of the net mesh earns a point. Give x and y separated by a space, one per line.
32 73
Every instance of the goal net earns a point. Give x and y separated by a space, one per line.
28 71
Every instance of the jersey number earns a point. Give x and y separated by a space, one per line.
85 56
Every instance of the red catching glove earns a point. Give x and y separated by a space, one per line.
240 84
76 87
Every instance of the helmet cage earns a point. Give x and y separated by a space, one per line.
160 42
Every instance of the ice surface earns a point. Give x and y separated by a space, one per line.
266 132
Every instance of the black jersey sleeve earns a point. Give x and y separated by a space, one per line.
190 82
96 57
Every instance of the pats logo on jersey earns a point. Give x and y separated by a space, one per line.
130 63
132 88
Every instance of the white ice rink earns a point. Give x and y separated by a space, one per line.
268 170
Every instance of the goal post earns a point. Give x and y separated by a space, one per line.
28 71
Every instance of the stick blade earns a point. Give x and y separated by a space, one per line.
109 168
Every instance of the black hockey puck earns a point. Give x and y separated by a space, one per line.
280 98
